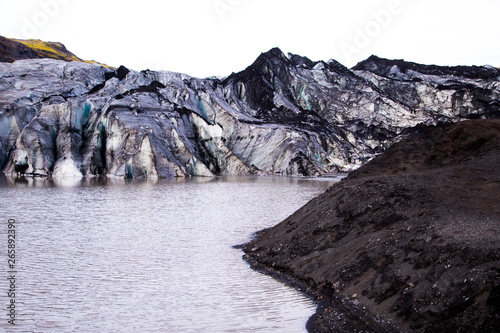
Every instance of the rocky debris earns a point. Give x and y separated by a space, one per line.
410 242
394 68
401 75
284 115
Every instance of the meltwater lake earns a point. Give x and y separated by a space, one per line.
97 255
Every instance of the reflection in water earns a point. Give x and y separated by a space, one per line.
102 255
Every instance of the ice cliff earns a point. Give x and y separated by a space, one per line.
283 115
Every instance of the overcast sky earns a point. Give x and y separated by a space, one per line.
216 37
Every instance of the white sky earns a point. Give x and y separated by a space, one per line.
216 37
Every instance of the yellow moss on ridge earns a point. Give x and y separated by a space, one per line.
55 51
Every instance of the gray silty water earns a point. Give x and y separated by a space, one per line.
150 256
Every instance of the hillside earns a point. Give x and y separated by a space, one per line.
410 242
19 49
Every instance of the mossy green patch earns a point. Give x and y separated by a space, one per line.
54 50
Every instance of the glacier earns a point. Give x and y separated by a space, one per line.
283 115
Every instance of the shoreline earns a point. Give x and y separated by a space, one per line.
410 242
334 314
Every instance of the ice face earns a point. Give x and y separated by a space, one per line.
282 115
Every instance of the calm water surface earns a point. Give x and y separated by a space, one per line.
147 256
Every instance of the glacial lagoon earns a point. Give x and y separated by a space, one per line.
98 255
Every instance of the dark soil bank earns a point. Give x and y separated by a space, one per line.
408 243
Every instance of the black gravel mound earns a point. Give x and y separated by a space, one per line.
408 243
